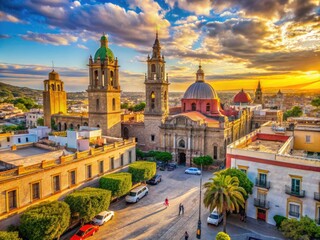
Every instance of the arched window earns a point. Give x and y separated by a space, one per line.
113 104
65 127
85 124
96 78
182 144
78 126
193 107
208 107
97 104
59 126
153 99
52 87
111 78
153 68
125 133
71 126
215 152
98 126
58 87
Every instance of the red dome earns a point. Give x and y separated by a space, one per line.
242 97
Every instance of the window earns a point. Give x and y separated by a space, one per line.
113 104
121 159
152 138
215 152
153 68
12 200
8 139
294 210
111 78
308 139
130 157
72 177
125 133
182 144
262 179
35 188
243 168
153 99
184 107
19 140
295 185
89 171
208 107
112 162
101 166
193 107
97 104
56 183
27 139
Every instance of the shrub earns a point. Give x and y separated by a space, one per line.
142 171
88 202
278 219
9 235
204 160
118 183
163 156
222 236
47 220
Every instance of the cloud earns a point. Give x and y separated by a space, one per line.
8 18
202 7
49 38
2 36
82 46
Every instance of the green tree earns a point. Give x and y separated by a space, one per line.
88 202
142 170
223 192
304 229
118 183
163 156
21 106
222 236
139 107
316 102
124 105
278 219
47 220
27 102
203 160
139 154
9 235
40 121
293 112
244 181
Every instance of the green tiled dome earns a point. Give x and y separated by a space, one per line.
104 52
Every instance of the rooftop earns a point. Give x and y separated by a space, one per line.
29 156
263 146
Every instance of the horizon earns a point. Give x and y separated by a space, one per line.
238 44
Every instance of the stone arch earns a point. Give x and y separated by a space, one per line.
98 126
125 133
71 126
96 78
111 78
52 87
193 106
78 126
59 126
181 143
153 68
85 124
65 127
153 99
58 87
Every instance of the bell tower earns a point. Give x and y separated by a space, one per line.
54 97
157 85
258 98
104 91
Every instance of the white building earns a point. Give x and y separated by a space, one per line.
285 169
32 117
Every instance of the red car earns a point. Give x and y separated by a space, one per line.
85 232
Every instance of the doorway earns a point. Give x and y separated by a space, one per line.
182 158
261 214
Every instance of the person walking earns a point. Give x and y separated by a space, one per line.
186 235
180 208
166 202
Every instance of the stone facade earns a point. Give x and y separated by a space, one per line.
97 161
54 98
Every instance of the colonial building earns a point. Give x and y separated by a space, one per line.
284 165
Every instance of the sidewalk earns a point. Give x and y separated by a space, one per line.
267 231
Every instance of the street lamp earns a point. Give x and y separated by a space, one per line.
199 221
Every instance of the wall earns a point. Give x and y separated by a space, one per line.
300 140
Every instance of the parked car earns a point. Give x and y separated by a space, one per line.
171 166
137 193
215 217
103 217
193 170
162 167
155 179
85 231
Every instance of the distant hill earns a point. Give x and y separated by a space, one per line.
7 90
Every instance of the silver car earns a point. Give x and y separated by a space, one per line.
193 170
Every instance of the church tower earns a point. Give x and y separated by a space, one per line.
104 91
54 97
258 98
157 108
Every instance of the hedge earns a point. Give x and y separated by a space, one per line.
118 183
142 171
47 220
9 235
88 202
222 236
278 219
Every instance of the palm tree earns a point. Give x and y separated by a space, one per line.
223 192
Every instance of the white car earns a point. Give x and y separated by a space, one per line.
193 170
215 217
103 217
137 193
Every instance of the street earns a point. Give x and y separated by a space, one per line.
149 219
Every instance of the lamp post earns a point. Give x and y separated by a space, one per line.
199 221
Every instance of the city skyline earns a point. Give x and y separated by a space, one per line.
238 43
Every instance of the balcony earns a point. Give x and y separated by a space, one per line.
262 184
299 194
317 196
261 203
294 214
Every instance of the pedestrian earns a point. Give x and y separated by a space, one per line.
166 202
180 208
186 235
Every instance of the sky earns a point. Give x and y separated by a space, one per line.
238 42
